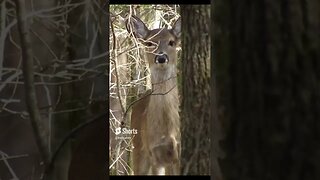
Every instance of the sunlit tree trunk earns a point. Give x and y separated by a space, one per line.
195 79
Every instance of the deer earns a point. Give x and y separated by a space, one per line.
155 115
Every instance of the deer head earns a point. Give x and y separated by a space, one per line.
160 44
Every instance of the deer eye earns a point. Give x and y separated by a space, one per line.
172 43
149 44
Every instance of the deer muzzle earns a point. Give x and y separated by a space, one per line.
161 58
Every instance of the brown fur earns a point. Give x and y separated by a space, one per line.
156 115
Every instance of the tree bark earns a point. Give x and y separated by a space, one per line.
195 77
268 80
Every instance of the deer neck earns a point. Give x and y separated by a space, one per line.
163 108
164 81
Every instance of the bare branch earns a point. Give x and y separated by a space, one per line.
4 158
30 92
116 70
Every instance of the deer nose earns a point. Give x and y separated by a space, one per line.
161 58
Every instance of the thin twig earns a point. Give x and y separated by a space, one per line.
10 79
4 158
14 157
149 94
124 149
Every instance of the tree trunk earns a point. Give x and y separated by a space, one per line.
195 107
268 79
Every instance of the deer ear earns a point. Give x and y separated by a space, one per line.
137 27
176 28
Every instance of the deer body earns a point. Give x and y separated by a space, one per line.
156 115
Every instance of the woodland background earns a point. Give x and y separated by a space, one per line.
53 74
260 102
